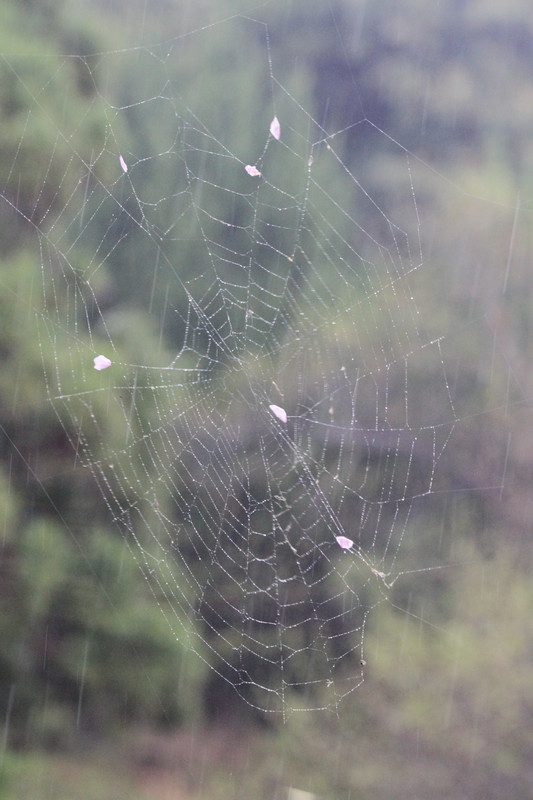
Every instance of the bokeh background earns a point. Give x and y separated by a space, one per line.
97 699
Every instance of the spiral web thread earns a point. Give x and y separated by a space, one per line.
293 289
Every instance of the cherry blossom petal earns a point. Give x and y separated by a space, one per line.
278 412
101 362
344 542
123 163
275 129
251 170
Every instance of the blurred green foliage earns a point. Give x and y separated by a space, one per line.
84 649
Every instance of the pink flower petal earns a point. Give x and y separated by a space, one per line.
123 163
275 129
344 542
280 413
253 171
101 362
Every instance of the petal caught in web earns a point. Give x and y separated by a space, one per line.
251 170
344 542
275 129
123 164
101 362
278 412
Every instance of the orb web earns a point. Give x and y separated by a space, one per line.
252 422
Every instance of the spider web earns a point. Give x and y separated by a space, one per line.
289 292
